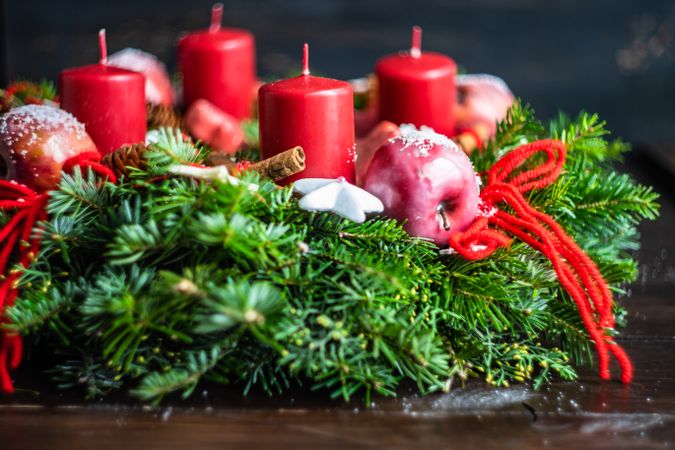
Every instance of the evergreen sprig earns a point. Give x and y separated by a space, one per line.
24 92
160 282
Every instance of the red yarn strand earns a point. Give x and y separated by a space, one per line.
29 207
90 160
577 273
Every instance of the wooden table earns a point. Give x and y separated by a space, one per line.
588 415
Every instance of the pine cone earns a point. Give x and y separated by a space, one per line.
124 157
162 116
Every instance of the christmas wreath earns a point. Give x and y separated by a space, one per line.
153 273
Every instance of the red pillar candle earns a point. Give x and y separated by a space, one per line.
417 87
315 113
109 101
218 65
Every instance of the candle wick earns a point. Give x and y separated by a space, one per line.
305 59
416 45
216 17
102 47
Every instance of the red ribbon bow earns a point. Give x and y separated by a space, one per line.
29 207
577 273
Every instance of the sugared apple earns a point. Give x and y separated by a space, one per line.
425 180
35 141
483 101
158 88
368 145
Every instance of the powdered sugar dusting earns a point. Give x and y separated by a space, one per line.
452 251
423 140
143 62
136 60
152 137
351 154
485 209
360 85
27 122
475 78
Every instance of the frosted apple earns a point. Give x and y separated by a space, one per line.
425 180
483 101
367 146
158 88
35 141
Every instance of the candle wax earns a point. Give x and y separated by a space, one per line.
315 113
417 88
109 101
219 66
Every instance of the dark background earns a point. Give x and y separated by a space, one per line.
611 57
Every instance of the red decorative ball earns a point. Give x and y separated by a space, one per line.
425 180
35 141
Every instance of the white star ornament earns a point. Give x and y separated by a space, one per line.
338 196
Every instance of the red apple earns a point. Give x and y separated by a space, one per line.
425 180
368 145
158 88
483 101
35 141
210 124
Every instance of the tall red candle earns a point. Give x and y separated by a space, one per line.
218 65
417 87
315 113
109 101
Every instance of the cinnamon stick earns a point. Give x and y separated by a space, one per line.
282 165
279 166
217 158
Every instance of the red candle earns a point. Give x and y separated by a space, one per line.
417 87
218 65
315 113
109 101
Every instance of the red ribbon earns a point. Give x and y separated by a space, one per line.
29 208
577 273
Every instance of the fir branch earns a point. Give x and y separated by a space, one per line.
81 195
250 128
518 127
80 370
170 149
239 303
42 309
135 241
184 377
